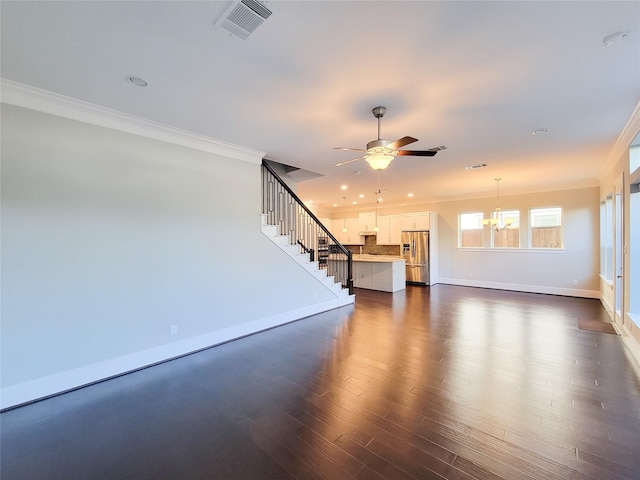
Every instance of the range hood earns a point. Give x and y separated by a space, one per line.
365 233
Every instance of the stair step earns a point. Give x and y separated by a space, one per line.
303 259
272 230
349 299
282 240
344 292
291 249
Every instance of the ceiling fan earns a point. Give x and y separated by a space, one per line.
380 152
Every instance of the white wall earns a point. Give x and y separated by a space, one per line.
523 269
526 269
109 238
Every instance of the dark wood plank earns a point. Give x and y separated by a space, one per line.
442 382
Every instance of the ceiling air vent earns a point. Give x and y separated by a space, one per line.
243 17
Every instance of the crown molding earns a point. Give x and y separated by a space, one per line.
628 133
13 93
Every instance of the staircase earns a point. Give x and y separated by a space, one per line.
304 260
298 232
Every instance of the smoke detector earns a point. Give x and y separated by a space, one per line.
617 37
243 17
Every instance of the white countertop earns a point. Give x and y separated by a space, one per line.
377 258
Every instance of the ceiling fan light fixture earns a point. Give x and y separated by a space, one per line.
379 162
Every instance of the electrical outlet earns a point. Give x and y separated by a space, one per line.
575 282
470 275
174 329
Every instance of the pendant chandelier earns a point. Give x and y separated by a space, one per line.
496 222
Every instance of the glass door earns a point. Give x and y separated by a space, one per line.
618 280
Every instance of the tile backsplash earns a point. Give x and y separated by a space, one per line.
371 247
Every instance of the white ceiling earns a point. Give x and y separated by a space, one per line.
476 76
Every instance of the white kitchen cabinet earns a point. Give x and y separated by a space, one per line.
416 221
350 237
353 226
336 228
389 233
367 221
363 275
326 222
382 273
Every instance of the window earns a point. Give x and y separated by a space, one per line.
508 237
546 227
470 232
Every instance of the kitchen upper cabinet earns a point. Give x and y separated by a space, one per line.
415 221
350 237
389 233
353 228
327 223
337 224
367 221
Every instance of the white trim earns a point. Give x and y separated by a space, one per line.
512 250
607 281
606 305
20 95
628 133
62 382
631 344
518 287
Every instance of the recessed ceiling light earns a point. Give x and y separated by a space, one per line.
335 204
354 202
540 131
361 195
137 81
410 195
473 167
343 187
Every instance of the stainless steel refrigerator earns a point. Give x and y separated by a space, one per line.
415 250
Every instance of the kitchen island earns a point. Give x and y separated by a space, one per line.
379 272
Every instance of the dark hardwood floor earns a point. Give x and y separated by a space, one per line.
441 382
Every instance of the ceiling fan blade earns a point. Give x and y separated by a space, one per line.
417 153
350 149
348 161
401 142
421 153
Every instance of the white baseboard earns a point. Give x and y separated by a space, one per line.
518 287
606 305
630 341
65 381
632 346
